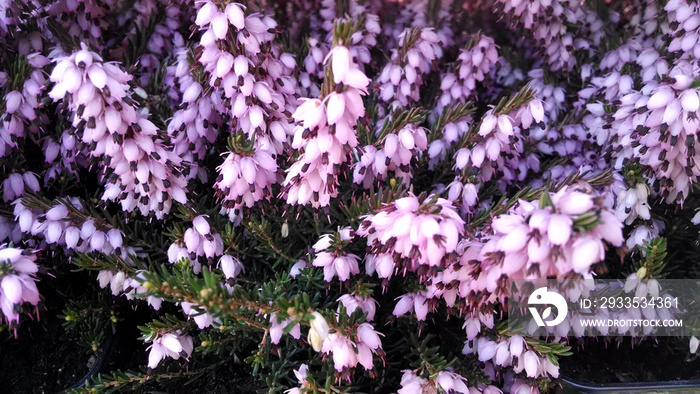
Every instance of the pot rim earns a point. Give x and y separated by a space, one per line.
100 357
666 384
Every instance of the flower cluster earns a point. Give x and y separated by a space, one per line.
549 25
17 281
513 352
195 126
15 185
415 304
245 177
257 84
501 144
393 158
660 122
475 63
142 171
426 14
684 27
312 76
632 203
402 79
348 353
414 232
446 381
164 39
352 302
364 36
20 117
83 19
451 134
197 241
348 348
359 43
173 345
325 132
561 234
331 257
254 79
57 225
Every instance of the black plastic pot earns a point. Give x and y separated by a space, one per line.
101 355
570 386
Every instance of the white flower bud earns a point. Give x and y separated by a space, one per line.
516 343
366 334
13 101
219 24
53 232
319 325
97 241
315 339
234 12
58 212
335 108
340 63
104 278
487 125
156 355
230 266
201 225
694 342
296 268
171 343
192 92
117 282
115 238
240 66
531 363
72 237
205 14
12 288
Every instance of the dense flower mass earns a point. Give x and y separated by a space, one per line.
20 117
475 65
245 178
415 232
559 235
402 78
340 194
325 132
393 157
142 171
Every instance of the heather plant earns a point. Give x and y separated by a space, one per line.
335 193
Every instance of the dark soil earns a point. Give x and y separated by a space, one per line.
652 360
223 380
42 359
46 358
126 352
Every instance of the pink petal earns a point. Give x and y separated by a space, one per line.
340 62
559 229
12 288
97 76
236 15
